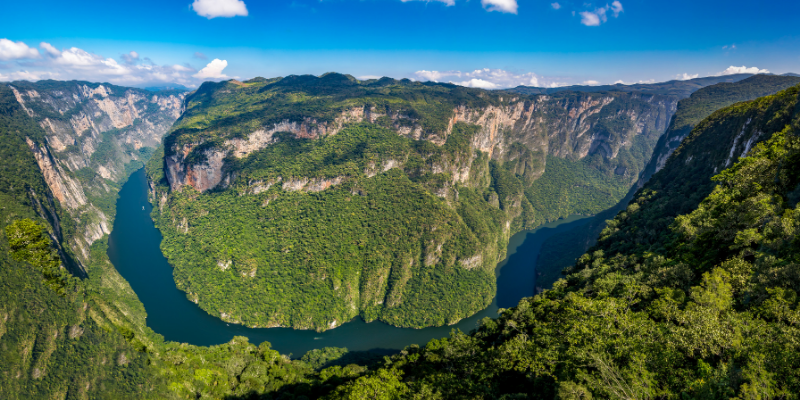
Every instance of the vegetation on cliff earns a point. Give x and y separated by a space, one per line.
376 243
694 297
317 199
64 337
686 295
561 250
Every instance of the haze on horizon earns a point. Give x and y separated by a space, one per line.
488 44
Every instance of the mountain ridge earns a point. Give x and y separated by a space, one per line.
267 144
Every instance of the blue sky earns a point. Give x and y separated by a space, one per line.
484 43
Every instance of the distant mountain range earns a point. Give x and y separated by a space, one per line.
680 88
165 87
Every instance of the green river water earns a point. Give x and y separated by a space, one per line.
134 251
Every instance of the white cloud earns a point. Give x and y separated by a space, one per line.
16 51
641 81
76 63
685 77
49 49
477 83
589 18
446 2
368 77
505 6
485 78
213 70
743 70
435 76
23 76
555 6
219 8
731 47
591 83
130 58
616 8
598 16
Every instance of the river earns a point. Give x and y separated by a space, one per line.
133 248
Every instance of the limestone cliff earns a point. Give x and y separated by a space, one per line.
327 198
95 134
571 126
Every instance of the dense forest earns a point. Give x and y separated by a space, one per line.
316 259
306 201
690 293
561 250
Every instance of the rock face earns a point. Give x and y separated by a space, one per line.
370 197
701 104
569 126
94 134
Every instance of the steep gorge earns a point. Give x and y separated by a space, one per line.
320 175
563 249
94 136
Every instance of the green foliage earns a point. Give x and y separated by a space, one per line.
29 243
218 111
574 187
55 341
382 247
560 251
704 309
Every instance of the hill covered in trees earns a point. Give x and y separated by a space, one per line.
563 249
689 293
306 201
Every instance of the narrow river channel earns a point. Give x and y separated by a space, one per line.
134 250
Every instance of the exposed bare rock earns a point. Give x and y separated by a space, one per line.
78 121
64 188
472 262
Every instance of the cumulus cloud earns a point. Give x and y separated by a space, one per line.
589 18
486 78
685 77
16 51
616 8
505 6
555 6
130 58
213 70
219 8
75 63
599 15
23 76
446 2
743 70
621 82
477 83
435 76
49 49
591 83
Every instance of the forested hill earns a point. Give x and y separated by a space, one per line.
306 201
563 249
691 293
678 88
93 136
67 338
